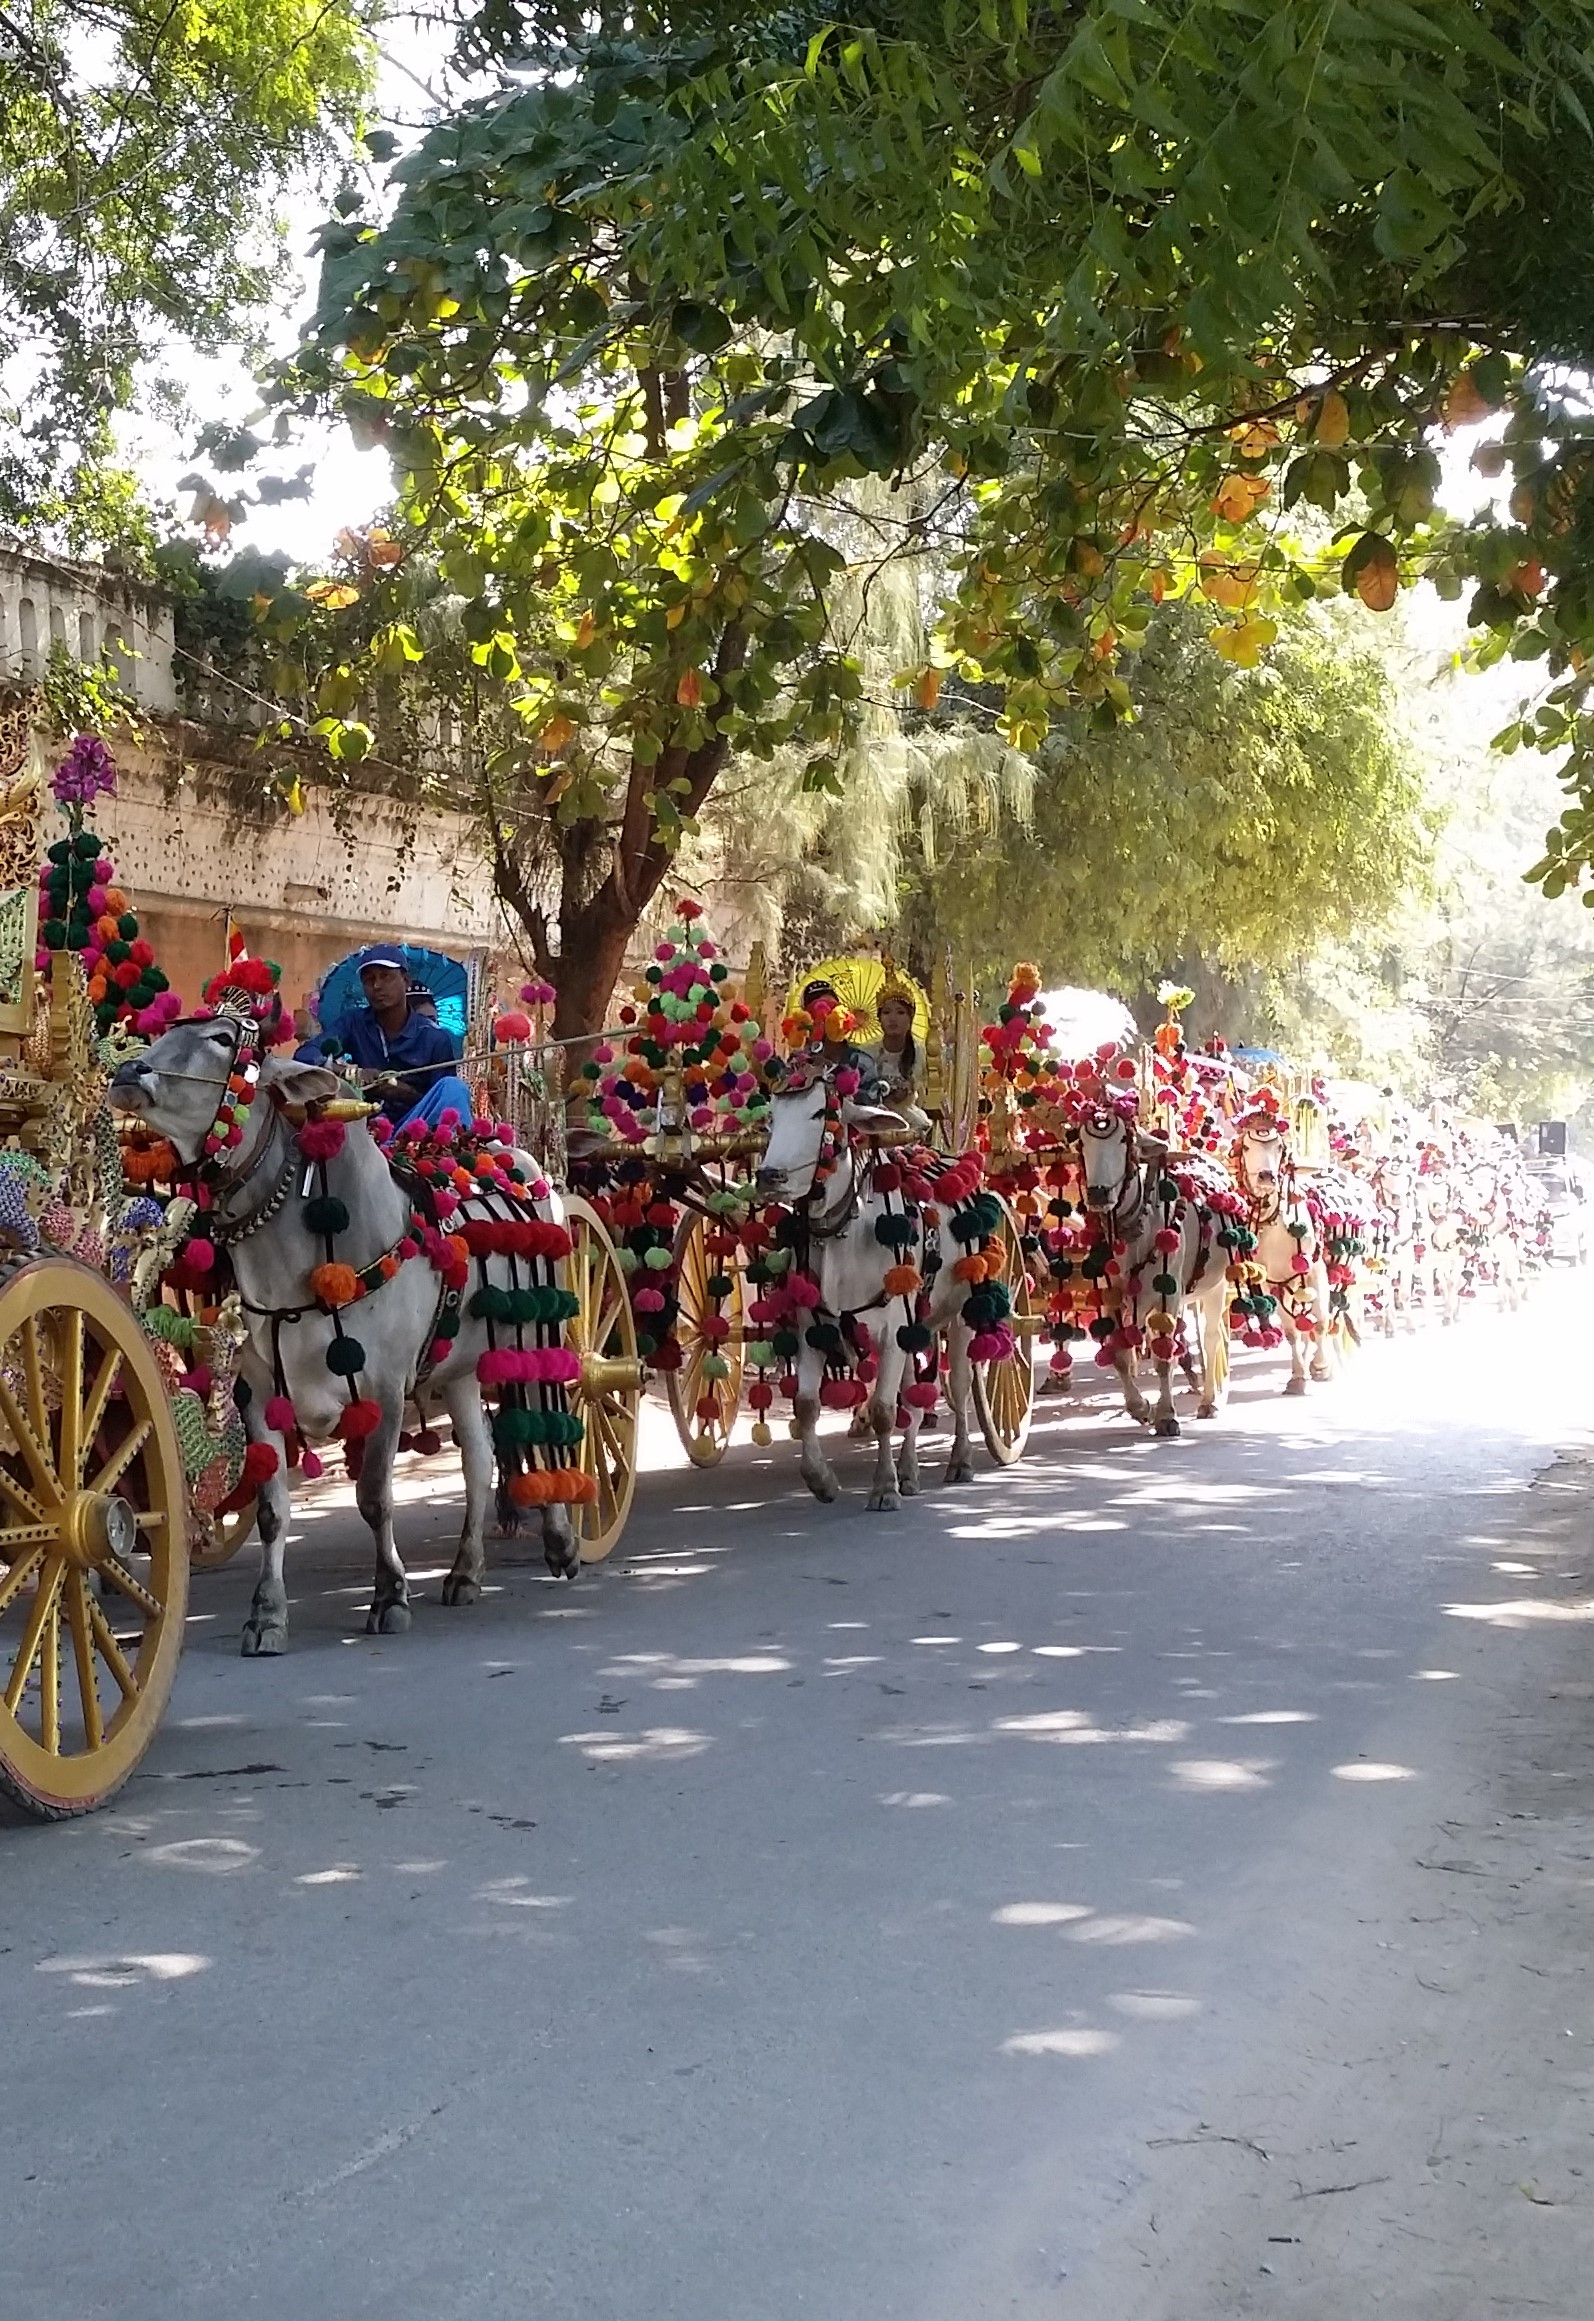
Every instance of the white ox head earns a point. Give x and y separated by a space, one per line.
798 1114
1109 1155
1259 1154
177 1086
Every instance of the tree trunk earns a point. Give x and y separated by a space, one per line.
592 948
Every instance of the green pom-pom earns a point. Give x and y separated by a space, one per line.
156 980
117 952
785 1343
61 851
490 1304
53 934
512 1427
345 1356
86 846
914 1337
127 925
77 938
719 1285
326 1214
1165 1284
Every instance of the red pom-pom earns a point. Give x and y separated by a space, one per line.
279 1415
322 1140
200 1255
260 1464
511 1027
311 1467
361 1418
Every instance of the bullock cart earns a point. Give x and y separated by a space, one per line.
515 1071
100 1445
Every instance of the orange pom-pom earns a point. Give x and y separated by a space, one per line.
389 1267
116 901
459 1246
902 1281
571 1488
969 1269
107 928
531 1489
335 1285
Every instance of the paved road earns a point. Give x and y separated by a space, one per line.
810 1912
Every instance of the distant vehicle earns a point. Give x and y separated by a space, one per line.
1564 1190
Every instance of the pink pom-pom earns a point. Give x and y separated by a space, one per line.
96 900
649 1301
448 1119
663 951
279 1415
311 1467
200 1254
923 1397
847 1081
511 1027
441 1350
763 1050
803 1290
200 1378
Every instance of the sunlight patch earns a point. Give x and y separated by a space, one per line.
1038 1913
1215 1774
1080 2042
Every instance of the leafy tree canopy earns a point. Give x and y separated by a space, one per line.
142 146
1129 299
1247 818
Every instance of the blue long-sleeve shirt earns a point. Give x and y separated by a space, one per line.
415 1050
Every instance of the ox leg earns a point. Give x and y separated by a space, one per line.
1165 1419
885 1493
373 1495
561 1550
959 1395
1211 1319
1296 1342
1322 1337
266 1629
474 1438
1126 1362
812 1465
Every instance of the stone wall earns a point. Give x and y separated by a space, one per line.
93 615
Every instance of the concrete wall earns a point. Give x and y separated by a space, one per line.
193 837
94 615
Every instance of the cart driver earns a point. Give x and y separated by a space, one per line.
408 1052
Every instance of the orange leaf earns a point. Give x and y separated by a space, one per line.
927 690
556 733
689 692
1333 421
1464 406
587 631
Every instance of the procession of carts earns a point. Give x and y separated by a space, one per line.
125 1459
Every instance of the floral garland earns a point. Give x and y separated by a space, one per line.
83 910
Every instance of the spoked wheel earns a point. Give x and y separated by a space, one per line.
608 1392
93 1544
709 1289
1004 1392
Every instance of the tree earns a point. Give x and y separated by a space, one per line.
1244 819
142 148
1106 294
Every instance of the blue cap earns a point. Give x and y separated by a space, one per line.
379 955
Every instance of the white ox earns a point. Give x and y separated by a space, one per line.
850 1263
1121 1165
1289 1249
176 1087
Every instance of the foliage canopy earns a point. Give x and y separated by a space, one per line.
142 145
1127 299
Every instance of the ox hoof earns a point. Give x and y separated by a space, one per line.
883 1502
823 1487
461 1588
1321 1374
1295 1386
959 1471
263 1638
388 1620
1166 1426
1207 1410
908 1486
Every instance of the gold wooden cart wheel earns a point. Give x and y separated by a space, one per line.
608 1393
705 1441
93 1539
230 1533
1004 1392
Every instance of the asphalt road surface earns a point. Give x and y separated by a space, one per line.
810 1912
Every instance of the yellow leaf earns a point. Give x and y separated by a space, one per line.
587 631
927 688
332 595
556 733
1243 644
1239 496
1255 438
296 796
674 617
1333 421
689 692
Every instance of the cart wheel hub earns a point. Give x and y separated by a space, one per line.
608 1374
96 1526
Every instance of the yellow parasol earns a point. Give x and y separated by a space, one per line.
858 983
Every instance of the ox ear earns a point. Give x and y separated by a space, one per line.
294 1083
871 1119
1149 1146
